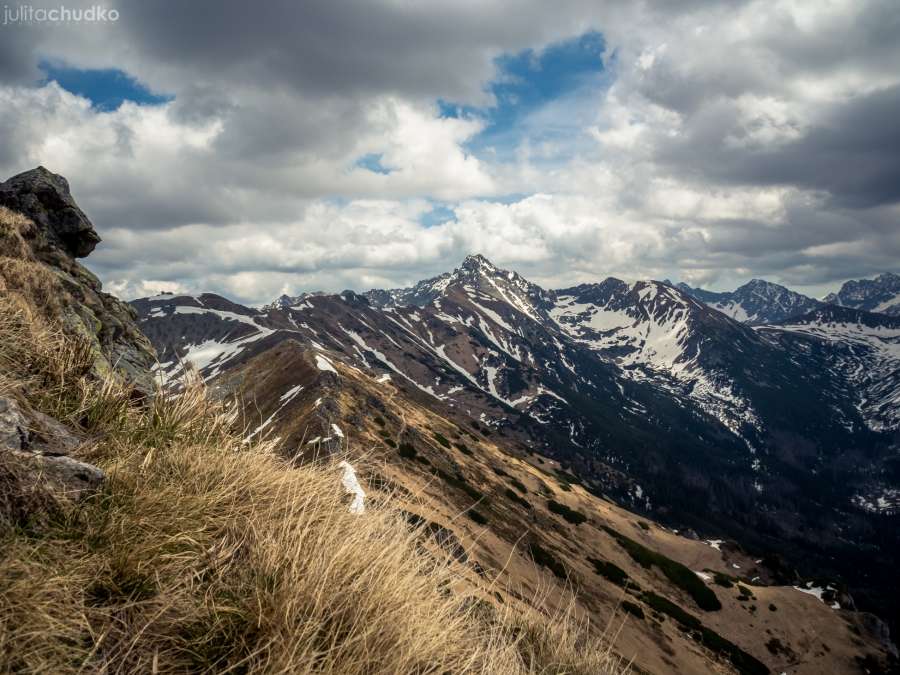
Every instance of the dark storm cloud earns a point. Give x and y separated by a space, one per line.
321 47
852 154
16 62
842 140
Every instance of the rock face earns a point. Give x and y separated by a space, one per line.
13 427
40 445
44 197
42 232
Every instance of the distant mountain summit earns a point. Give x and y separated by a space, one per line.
476 271
756 303
284 301
832 314
881 294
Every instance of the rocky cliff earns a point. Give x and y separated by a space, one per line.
42 232
57 326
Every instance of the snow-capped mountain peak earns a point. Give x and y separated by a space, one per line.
757 302
479 264
283 301
647 324
881 294
476 276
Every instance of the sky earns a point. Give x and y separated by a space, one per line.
255 149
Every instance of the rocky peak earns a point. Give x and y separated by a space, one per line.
424 292
881 294
283 301
594 293
44 197
354 298
756 302
478 263
768 289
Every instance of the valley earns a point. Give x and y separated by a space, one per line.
779 436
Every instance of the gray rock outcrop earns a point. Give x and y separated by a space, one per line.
40 445
44 197
54 233
13 426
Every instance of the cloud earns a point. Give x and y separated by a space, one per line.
701 140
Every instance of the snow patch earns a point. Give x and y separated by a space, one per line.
289 395
322 363
352 487
817 592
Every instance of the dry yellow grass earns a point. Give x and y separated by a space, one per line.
204 554
13 227
20 274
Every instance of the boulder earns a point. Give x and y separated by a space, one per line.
38 445
44 197
62 475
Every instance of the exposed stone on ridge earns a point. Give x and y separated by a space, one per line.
44 197
40 445
45 238
13 427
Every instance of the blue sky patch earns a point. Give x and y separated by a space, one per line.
438 215
106 89
530 82
372 162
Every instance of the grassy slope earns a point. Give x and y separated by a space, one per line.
202 553
523 552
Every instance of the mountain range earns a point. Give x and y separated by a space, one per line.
760 302
759 415
612 454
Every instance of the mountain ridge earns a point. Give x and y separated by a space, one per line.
636 388
881 294
757 302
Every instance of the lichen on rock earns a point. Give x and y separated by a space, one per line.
42 232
